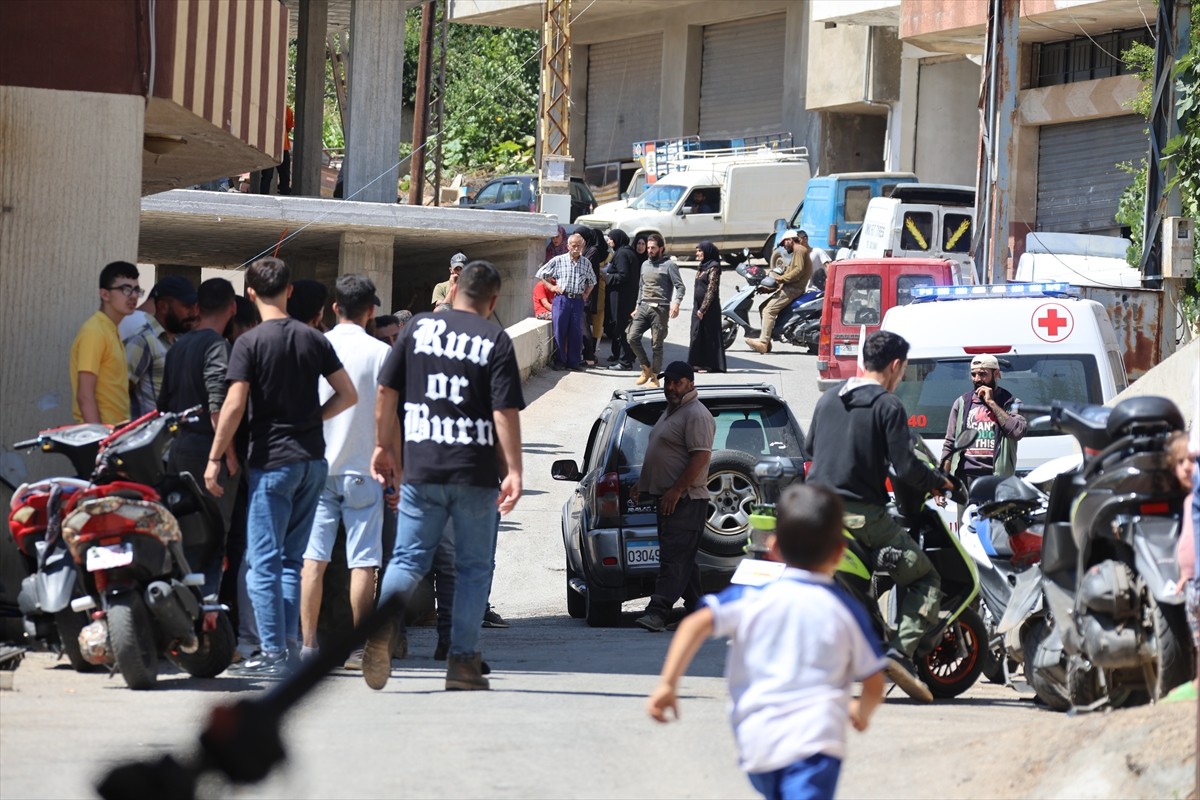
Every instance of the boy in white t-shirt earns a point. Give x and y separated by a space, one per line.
796 646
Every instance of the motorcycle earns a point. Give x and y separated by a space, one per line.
35 523
133 533
1109 574
951 654
736 311
804 327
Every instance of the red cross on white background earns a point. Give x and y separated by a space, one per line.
1052 322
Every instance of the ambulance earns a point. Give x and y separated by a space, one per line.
1051 345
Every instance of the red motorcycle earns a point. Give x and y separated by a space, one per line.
134 535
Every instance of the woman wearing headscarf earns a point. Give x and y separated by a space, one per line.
624 275
595 250
707 353
557 245
639 247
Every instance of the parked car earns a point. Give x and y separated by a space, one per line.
612 545
520 193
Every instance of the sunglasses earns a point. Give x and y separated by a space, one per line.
128 289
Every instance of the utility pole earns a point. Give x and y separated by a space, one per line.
554 183
416 162
998 100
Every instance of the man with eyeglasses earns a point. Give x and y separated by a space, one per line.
99 376
987 408
170 311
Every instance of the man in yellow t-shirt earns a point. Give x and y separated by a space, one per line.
99 375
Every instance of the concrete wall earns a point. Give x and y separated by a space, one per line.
533 342
836 65
947 132
1172 379
852 142
70 186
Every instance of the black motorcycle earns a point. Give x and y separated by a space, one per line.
803 328
1110 578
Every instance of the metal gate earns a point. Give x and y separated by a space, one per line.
741 77
624 84
1079 182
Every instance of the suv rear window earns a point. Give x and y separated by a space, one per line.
763 429
930 386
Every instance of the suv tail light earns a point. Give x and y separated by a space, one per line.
608 495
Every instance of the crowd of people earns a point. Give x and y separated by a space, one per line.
305 430
595 285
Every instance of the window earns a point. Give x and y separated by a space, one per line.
761 429
1085 58
930 386
579 193
704 200
659 197
956 233
489 193
860 299
905 284
511 192
854 202
916 231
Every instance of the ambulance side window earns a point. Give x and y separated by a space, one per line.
861 299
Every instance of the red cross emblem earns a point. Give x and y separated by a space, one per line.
1052 322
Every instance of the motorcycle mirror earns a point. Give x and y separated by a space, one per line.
965 438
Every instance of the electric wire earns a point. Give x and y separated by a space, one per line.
283 240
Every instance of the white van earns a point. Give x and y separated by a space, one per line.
921 220
1078 259
741 199
1050 345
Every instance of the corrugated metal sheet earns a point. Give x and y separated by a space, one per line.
1136 316
741 77
624 84
1079 182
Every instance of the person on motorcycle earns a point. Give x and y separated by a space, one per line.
857 430
798 269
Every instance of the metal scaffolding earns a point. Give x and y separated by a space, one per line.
428 116
556 79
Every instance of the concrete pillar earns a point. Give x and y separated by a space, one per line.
804 125
71 204
679 100
369 254
376 66
904 143
310 98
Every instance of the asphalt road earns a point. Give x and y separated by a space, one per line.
565 717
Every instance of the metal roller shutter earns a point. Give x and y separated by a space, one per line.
624 83
741 77
1079 183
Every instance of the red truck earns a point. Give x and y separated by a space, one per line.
858 292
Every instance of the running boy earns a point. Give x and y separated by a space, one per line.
796 646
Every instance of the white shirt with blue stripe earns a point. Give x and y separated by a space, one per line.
796 646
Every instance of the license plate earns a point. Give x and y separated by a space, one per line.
109 556
643 553
845 349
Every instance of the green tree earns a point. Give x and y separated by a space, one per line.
1182 150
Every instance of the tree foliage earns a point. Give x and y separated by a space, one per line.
1182 150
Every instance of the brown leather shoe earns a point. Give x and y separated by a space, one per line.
758 346
377 657
465 673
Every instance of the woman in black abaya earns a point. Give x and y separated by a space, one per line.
707 354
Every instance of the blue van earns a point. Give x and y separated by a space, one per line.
834 206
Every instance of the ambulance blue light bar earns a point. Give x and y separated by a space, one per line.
922 294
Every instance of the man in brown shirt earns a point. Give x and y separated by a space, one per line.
675 473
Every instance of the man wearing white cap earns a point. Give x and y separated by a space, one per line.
986 409
441 292
792 283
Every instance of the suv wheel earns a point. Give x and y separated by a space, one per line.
576 602
733 492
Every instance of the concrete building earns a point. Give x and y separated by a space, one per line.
1073 127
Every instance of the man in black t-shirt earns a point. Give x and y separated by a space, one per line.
275 367
194 375
447 420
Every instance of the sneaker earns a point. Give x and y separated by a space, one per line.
271 666
355 661
619 367
653 622
492 619
902 672
464 673
377 657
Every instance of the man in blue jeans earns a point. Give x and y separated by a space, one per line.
454 377
570 278
275 368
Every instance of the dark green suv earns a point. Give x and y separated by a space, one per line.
612 545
